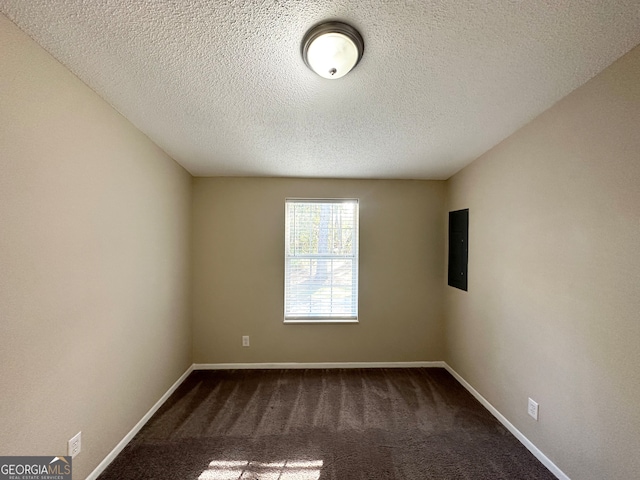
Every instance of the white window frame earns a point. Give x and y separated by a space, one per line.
313 319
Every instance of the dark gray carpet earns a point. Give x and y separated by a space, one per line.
324 424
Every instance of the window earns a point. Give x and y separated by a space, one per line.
321 260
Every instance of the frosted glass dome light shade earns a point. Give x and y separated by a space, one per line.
332 49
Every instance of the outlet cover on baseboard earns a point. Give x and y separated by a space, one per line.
533 409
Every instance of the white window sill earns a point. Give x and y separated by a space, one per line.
319 321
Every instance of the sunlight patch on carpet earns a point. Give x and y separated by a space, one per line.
245 470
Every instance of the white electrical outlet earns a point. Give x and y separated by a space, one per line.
245 340
533 409
75 445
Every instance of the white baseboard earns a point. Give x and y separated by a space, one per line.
264 366
138 426
552 467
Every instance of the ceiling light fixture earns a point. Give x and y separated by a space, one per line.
332 49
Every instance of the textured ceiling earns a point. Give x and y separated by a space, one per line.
222 88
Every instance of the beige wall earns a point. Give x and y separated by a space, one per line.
94 223
553 308
238 267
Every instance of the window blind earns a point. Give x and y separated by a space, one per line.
321 259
